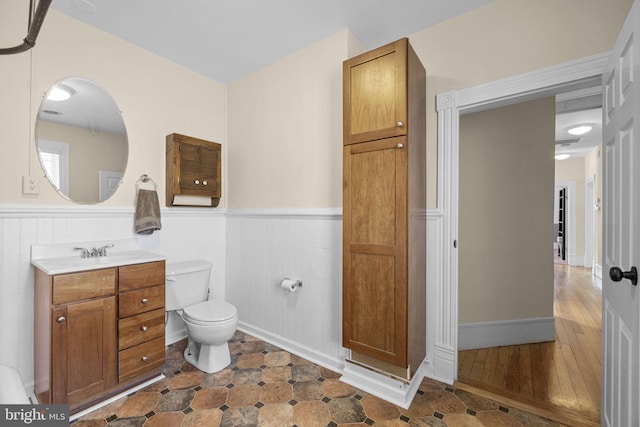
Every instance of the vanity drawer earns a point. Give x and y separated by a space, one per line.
138 276
141 358
84 285
140 301
138 329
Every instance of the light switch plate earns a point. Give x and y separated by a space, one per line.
30 185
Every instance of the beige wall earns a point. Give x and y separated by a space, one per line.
285 129
285 120
156 96
572 169
89 153
505 211
505 38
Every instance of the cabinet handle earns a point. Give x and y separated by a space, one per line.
144 358
144 300
196 182
144 328
61 319
400 124
400 145
204 182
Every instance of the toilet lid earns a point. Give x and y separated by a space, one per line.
210 311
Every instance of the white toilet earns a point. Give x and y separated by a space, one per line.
210 323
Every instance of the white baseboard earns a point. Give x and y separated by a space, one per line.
578 261
333 363
597 270
507 332
386 388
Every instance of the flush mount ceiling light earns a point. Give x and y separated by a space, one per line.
562 156
60 93
580 130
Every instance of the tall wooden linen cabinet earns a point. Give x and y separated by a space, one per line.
384 209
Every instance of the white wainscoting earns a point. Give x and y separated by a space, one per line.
266 246
187 233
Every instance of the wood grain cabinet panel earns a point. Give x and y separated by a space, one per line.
138 276
193 168
82 322
140 301
384 209
374 89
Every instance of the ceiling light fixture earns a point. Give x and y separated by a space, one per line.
59 93
562 156
580 130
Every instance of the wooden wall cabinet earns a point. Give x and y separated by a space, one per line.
193 168
81 340
384 209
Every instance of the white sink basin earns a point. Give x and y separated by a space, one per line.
76 263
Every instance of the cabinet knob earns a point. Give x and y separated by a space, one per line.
196 182
400 145
400 124
204 182
144 300
61 319
144 328
144 358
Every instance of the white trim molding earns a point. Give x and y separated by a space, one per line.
450 105
506 332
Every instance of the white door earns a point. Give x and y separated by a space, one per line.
109 182
621 216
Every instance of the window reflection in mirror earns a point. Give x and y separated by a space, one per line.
81 140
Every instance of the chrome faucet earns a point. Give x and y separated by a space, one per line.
94 253
85 252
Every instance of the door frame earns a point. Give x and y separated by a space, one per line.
450 105
590 223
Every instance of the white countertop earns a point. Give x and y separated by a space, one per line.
125 252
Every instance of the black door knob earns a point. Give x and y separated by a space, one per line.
616 274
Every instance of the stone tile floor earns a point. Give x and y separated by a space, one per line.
266 386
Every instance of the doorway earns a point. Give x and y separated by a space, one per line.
586 72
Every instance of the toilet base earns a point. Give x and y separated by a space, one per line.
208 358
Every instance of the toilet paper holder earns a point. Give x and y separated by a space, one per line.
290 284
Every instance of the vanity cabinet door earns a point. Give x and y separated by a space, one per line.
83 336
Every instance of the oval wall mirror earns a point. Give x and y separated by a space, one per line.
81 140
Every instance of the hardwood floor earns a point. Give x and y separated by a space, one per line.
560 378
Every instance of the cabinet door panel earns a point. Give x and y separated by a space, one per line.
375 97
374 257
84 364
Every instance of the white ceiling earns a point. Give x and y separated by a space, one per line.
227 40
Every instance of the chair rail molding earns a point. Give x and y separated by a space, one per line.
450 105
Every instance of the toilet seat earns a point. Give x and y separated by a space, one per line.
211 311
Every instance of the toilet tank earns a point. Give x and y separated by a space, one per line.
187 283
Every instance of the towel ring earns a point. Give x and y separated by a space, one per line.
144 178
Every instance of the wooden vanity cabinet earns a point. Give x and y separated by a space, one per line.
75 339
384 210
193 168
97 332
